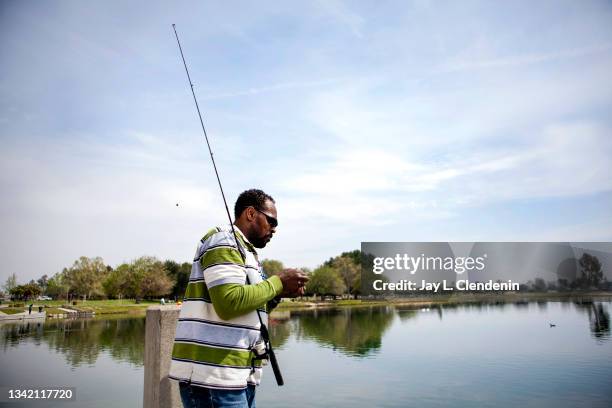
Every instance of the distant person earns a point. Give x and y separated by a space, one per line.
162 301
30 308
218 327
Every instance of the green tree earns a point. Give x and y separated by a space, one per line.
25 292
325 280
57 287
179 274
272 266
148 277
354 256
348 265
42 283
16 292
539 285
592 274
85 276
349 272
116 283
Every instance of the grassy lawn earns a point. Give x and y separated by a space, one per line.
99 307
129 306
11 310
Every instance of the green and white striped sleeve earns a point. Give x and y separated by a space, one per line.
232 300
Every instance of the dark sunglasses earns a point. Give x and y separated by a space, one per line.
271 220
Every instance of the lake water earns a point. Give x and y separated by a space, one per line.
503 355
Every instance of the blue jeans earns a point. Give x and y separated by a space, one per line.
200 397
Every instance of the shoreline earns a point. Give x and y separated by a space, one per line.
107 309
440 300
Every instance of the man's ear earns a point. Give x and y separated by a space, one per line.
250 213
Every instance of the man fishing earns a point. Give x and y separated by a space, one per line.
220 344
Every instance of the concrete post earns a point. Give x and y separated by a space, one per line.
159 391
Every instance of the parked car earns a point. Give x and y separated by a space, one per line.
44 298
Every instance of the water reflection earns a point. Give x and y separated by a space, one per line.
599 318
356 332
406 313
596 312
82 340
280 330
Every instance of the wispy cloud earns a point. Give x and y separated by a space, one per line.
341 12
284 86
465 64
564 160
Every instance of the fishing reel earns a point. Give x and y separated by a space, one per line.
261 352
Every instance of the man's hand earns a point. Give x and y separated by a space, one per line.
293 281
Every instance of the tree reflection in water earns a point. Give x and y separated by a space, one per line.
82 340
356 332
599 318
280 330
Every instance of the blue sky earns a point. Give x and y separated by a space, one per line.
367 121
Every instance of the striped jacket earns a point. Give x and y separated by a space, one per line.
209 351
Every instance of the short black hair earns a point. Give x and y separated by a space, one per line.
250 198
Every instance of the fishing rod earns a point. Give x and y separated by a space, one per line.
269 352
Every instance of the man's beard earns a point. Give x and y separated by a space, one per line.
260 242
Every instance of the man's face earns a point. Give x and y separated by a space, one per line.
263 224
